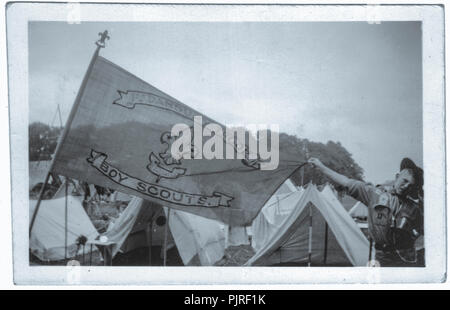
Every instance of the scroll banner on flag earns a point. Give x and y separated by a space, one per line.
119 138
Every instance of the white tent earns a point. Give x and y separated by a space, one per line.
272 215
129 231
47 241
203 240
199 240
287 187
335 238
37 171
236 235
119 196
359 210
73 189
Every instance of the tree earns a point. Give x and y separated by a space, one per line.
332 154
42 141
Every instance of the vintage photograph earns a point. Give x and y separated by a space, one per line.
245 143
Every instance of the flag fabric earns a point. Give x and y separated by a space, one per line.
119 137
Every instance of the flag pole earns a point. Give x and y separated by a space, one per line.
100 44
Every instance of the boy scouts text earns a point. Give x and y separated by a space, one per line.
98 161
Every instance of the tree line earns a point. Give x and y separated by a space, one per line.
42 141
44 138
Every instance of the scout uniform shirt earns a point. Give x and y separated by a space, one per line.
393 222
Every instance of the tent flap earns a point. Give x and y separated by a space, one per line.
197 236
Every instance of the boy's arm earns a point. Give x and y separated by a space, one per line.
357 189
336 177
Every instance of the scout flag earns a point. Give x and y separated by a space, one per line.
118 136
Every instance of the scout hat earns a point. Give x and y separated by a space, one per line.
407 163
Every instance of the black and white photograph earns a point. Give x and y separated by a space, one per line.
170 144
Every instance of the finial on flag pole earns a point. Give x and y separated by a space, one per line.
103 36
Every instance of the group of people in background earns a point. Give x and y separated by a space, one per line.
101 193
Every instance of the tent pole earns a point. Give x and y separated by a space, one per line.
149 240
100 44
165 237
310 236
302 172
226 235
306 150
60 118
90 257
325 245
370 250
65 219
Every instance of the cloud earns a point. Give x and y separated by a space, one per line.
46 92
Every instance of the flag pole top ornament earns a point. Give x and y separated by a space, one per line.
103 36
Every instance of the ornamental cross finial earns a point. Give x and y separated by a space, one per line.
103 36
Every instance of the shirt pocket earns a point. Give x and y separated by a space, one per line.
382 216
381 220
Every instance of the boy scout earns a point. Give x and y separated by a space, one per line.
395 214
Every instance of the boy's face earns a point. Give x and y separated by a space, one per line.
403 182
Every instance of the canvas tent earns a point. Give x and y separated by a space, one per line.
287 187
359 211
73 189
37 172
236 235
335 237
199 241
348 202
47 240
129 231
272 215
202 241
119 196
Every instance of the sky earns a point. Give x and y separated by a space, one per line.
352 82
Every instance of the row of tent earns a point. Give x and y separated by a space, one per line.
199 241
297 225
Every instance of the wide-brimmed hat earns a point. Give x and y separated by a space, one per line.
407 163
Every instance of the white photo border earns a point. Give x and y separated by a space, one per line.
434 155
